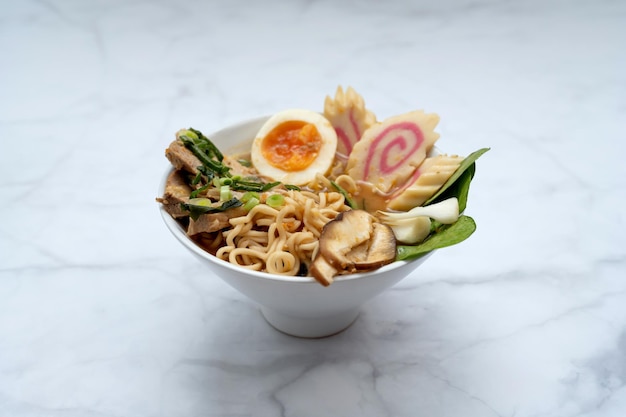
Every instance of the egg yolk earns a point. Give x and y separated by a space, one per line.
292 146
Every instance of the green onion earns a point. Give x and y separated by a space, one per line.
202 202
249 195
226 181
205 143
189 133
292 187
253 201
195 193
225 193
206 160
242 185
205 171
196 210
349 201
197 178
275 200
245 162
270 185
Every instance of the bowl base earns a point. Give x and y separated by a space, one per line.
310 327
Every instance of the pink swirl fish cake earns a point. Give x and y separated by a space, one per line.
348 115
389 152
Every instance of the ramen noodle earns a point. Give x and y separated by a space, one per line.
280 240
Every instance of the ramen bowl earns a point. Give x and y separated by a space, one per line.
298 306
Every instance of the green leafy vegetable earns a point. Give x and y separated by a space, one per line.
206 158
251 203
270 185
275 200
197 178
446 235
245 185
200 190
225 193
459 189
206 145
249 195
463 186
442 235
349 201
205 202
245 162
213 169
198 208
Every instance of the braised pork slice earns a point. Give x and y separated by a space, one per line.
213 222
182 158
236 168
176 191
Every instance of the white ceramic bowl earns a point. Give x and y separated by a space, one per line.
298 306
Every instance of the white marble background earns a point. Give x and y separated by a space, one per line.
103 314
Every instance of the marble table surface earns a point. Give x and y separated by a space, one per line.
104 314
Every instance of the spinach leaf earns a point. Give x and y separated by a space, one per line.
349 201
446 235
459 189
458 183
196 211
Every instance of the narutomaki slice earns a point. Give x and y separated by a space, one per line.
348 115
389 152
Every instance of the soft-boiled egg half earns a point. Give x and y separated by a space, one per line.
293 146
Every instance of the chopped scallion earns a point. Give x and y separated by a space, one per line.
245 162
225 193
275 200
249 195
197 178
349 201
202 189
253 201
270 185
190 133
196 210
202 202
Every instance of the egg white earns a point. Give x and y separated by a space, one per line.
321 164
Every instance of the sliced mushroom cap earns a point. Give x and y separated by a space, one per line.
347 231
381 250
353 242
322 271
